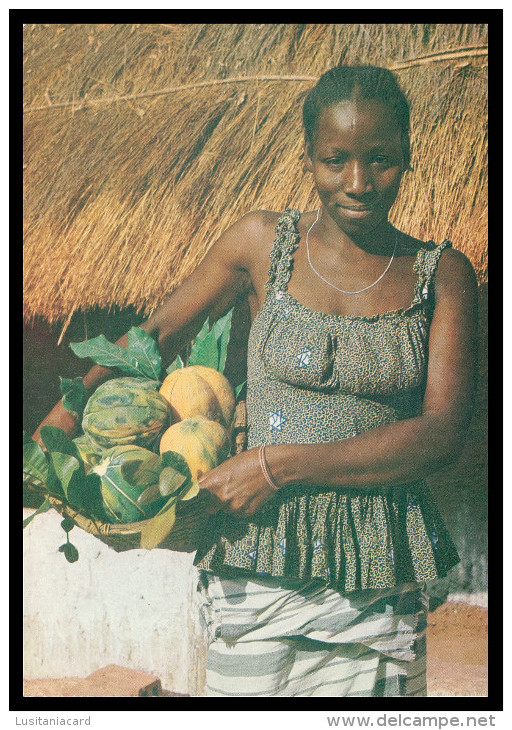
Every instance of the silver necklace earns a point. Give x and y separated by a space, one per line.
337 287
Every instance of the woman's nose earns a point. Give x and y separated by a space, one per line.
357 179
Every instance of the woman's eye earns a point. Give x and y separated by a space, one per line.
381 160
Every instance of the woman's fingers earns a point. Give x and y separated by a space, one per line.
212 503
237 486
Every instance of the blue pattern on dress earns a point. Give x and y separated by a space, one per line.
303 358
276 420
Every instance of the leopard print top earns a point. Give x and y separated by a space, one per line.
320 377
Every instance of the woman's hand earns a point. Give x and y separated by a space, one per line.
237 486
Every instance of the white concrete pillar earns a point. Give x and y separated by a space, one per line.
136 609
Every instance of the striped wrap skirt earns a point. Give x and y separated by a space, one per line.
288 638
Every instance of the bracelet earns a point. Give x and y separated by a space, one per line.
265 469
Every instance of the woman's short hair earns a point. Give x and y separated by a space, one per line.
357 82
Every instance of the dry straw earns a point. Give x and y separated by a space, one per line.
143 142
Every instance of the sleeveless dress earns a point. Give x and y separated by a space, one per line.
316 377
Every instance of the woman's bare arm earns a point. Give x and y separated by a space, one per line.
216 282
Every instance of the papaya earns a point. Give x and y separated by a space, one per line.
121 496
198 390
125 411
203 443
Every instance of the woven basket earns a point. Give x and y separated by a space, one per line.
191 515
191 519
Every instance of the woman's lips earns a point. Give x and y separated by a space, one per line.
357 210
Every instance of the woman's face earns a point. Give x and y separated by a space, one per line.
357 163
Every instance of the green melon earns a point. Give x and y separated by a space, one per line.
125 411
121 497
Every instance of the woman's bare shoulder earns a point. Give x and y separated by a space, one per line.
451 263
250 237
259 222
455 273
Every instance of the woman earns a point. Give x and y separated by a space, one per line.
360 383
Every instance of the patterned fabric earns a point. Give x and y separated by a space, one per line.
279 638
316 377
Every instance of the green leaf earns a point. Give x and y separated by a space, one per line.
35 465
55 439
155 530
143 473
239 389
149 495
177 478
190 492
105 353
43 508
74 395
222 329
222 324
70 552
203 333
211 343
144 350
67 524
177 363
65 468
129 468
176 461
67 465
92 498
205 350
170 481
53 485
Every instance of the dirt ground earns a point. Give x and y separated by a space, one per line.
457 663
457 651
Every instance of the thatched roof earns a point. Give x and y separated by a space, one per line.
143 142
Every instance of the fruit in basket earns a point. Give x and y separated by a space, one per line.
90 454
121 488
199 390
125 411
203 443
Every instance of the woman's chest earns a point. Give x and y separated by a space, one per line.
360 291
377 355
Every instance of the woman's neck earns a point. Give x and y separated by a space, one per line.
378 242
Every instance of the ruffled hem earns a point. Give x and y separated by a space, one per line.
376 539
